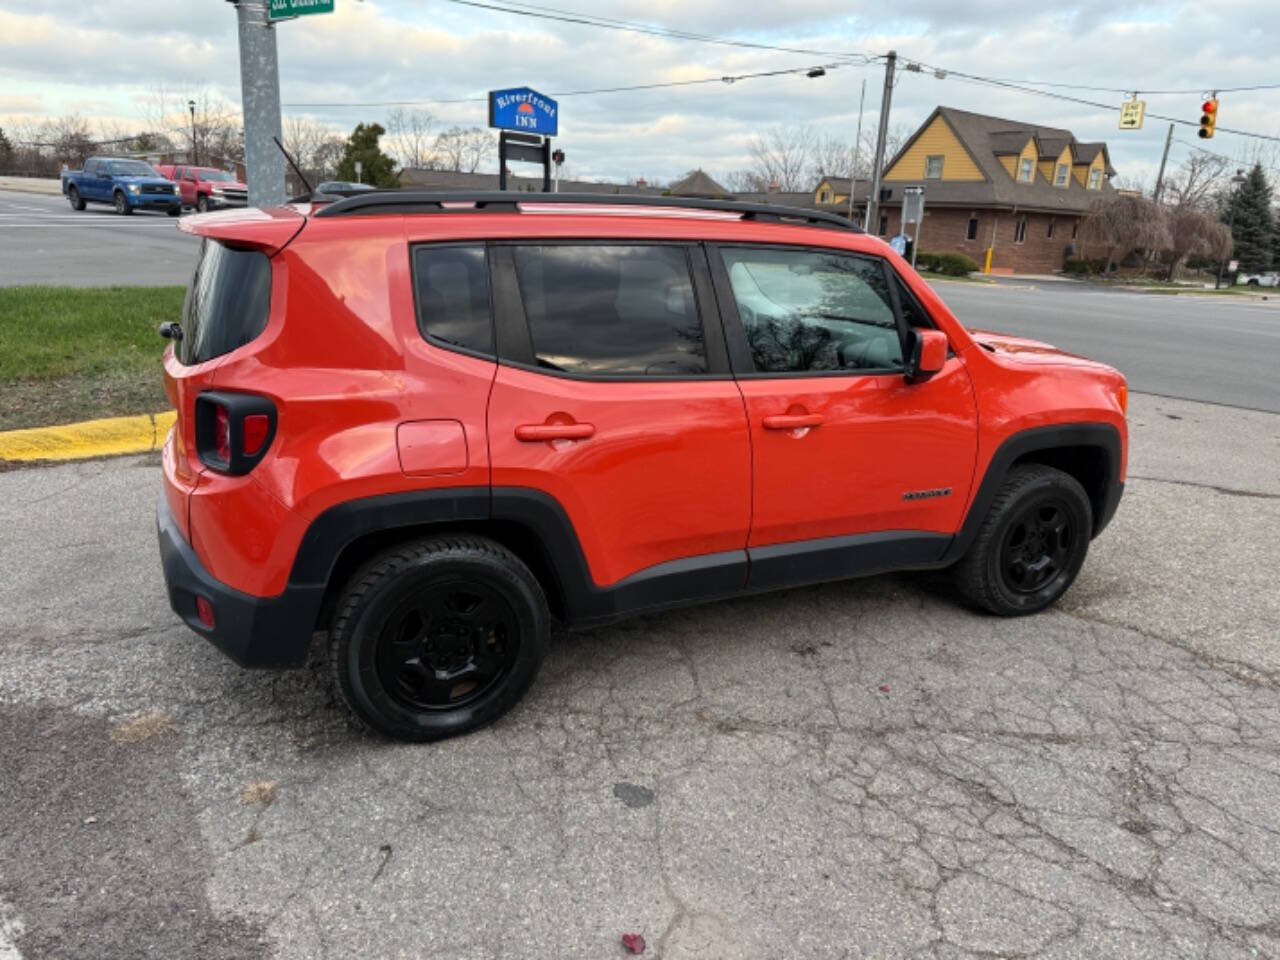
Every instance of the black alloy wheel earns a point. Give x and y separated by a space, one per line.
1031 544
447 646
74 198
122 205
439 636
1036 547
202 204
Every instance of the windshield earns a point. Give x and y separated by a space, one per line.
131 168
218 176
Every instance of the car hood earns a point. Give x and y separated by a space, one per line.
1025 350
144 180
226 185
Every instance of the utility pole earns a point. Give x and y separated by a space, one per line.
1163 160
195 158
857 146
260 96
873 200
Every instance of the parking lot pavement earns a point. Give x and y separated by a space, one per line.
44 241
860 769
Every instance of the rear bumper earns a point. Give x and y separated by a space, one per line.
252 631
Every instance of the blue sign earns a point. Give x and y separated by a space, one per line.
899 244
523 110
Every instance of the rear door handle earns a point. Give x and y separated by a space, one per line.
536 432
792 421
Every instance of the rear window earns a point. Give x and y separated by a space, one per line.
227 303
451 287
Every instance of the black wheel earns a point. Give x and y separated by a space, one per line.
74 198
175 210
1031 545
437 637
122 205
1252 283
202 204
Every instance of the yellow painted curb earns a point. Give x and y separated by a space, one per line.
92 438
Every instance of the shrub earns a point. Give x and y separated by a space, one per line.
1079 268
948 264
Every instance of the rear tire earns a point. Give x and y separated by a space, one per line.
122 204
74 198
1031 545
437 637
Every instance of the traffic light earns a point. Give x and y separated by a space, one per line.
1208 117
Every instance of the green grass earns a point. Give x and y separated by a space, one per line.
78 354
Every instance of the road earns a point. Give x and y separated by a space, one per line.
1217 349
851 770
44 241
1221 350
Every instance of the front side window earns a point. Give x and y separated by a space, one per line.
1060 177
611 310
933 168
971 231
1095 179
451 289
804 311
1051 226
1020 230
1024 172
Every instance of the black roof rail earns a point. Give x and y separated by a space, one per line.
388 202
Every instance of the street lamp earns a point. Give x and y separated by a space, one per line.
191 105
1238 179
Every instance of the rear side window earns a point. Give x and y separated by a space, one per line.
451 288
227 303
611 310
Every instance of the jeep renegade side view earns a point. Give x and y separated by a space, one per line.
428 424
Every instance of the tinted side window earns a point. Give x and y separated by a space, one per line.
228 302
451 287
807 311
611 309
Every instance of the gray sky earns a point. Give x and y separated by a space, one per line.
105 60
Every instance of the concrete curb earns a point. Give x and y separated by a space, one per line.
92 438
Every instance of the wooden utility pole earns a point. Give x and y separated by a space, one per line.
873 201
1163 160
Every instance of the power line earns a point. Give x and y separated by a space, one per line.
654 30
726 79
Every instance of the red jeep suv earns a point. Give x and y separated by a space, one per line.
429 423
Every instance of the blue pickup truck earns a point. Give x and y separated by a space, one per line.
126 184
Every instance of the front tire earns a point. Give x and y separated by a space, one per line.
122 205
176 210
438 637
202 204
1031 545
74 198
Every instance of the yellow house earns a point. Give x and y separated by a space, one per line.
1015 188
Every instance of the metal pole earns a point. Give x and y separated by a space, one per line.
1163 160
195 157
873 201
260 95
1231 227
857 145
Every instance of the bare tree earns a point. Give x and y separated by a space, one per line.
215 135
463 149
1122 222
409 136
832 157
782 159
1196 181
1194 231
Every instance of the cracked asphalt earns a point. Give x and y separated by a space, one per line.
861 770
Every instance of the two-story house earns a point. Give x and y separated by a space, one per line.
1017 189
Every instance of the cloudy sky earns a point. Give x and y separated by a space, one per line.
106 60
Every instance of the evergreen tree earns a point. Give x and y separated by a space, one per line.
376 167
6 151
1253 228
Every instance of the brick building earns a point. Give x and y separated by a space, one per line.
1017 189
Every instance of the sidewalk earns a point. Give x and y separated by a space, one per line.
31 185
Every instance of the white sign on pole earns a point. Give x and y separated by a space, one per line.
359 171
1132 113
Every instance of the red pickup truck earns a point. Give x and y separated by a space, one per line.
206 188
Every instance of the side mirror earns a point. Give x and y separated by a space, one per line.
928 354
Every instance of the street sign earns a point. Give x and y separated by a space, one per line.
283 9
523 110
1132 113
912 204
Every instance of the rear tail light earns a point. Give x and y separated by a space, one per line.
204 610
233 430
